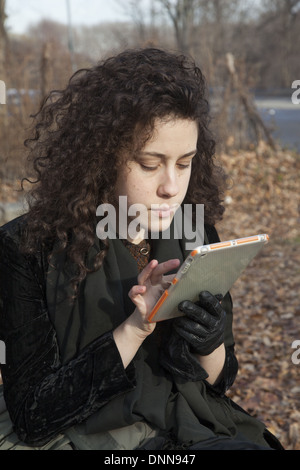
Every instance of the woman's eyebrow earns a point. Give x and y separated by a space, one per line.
162 155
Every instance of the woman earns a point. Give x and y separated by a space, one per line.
84 368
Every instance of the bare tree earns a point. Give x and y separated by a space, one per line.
278 32
3 39
182 14
46 75
3 47
142 16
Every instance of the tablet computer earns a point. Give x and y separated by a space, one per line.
213 268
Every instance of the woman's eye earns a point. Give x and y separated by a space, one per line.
148 168
184 166
181 166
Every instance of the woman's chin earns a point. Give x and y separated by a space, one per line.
160 225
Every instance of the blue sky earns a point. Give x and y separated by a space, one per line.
23 13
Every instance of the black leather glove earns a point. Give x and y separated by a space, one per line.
203 324
177 353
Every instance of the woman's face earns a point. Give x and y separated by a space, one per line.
159 177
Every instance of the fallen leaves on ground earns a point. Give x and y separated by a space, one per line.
264 198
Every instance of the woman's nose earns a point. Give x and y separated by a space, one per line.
169 185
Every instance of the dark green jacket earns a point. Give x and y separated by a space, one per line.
63 367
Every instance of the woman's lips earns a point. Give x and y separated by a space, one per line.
163 211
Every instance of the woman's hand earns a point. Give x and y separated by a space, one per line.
152 281
203 323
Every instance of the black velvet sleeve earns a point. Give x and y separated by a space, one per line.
44 397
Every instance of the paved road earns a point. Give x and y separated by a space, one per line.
284 117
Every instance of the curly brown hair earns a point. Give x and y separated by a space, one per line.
81 132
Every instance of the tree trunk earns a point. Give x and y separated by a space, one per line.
181 15
2 38
3 44
46 78
253 116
